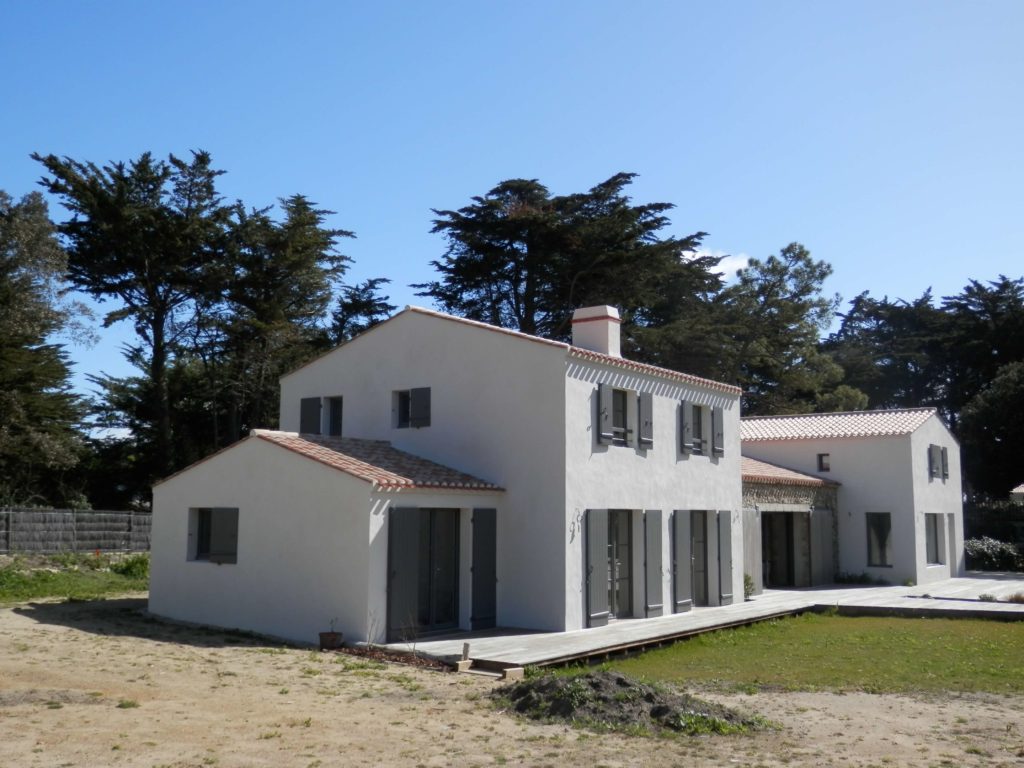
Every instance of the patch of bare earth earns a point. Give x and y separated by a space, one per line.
87 684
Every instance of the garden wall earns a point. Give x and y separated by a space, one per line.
63 530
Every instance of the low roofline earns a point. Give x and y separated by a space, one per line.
584 354
781 476
841 413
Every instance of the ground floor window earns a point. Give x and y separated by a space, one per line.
879 539
215 534
932 535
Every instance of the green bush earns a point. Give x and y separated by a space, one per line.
132 567
988 554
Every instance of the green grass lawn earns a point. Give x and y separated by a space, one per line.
80 577
813 651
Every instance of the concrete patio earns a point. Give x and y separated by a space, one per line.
503 648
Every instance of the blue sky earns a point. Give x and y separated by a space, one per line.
886 137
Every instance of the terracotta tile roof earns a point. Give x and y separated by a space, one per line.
810 426
376 461
763 473
653 370
586 354
619 362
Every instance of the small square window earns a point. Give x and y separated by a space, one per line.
824 462
215 534
411 408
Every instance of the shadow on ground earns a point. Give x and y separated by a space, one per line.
128 617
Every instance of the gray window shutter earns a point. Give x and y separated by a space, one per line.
717 432
646 419
604 414
309 416
686 426
653 584
484 569
596 572
725 557
682 564
934 461
419 407
334 407
403 571
945 464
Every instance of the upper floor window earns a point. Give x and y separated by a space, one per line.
334 408
619 412
938 462
824 462
702 429
411 407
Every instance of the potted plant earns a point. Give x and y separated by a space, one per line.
332 640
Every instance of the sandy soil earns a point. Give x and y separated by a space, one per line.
96 684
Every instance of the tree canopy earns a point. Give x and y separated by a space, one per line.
39 415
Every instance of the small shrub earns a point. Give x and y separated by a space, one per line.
985 597
988 554
133 567
748 586
1016 597
127 704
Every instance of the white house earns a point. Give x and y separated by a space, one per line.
898 508
438 473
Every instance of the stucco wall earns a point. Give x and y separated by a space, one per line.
302 545
629 477
940 496
881 474
496 412
876 476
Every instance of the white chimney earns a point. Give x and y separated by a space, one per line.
597 329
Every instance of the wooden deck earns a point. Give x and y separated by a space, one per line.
500 648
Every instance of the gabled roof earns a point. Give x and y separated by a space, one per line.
1018 489
763 473
584 354
811 426
376 461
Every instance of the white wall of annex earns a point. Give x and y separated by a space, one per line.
876 474
630 477
935 495
497 412
303 531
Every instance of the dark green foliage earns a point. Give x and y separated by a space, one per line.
986 554
775 315
145 233
360 308
992 426
132 567
39 442
521 258
224 301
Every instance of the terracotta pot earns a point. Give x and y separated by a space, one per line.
331 641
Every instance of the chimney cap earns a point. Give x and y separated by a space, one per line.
602 312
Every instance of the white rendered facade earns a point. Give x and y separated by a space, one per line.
517 411
886 475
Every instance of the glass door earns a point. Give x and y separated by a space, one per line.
620 565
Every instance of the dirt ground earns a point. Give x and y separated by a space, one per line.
96 684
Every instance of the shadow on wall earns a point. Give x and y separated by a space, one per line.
127 617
